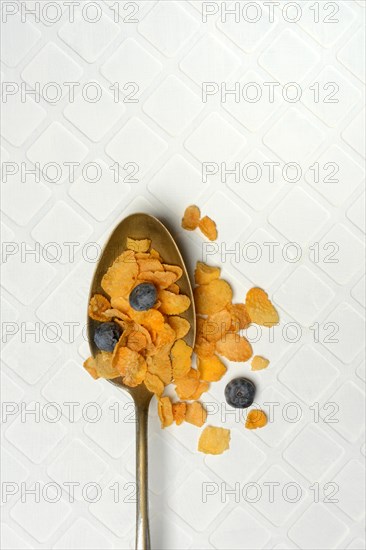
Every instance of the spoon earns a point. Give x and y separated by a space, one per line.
141 226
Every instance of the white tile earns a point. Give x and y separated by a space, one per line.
22 200
294 136
215 140
57 144
337 96
168 26
339 253
18 38
89 39
177 184
358 291
11 540
210 60
173 106
107 431
318 528
244 33
197 514
116 509
173 538
352 55
298 217
328 23
351 496
240 530
289 58
77 462
255 184
350 401
325 453
320 374
95 119
136 143
220 208
10 390
40 519
32 432
101 197
62 225
354 134
304 295
242 472
344 335
339 175
287 495
52 64
82 534
131 62
41 354
356 212
71 377
20 118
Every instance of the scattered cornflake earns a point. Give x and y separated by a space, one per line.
256 419
260 308
179 325
173 304
239 317
195 414
179 412
208 228
165 411
131 366
191 218
101 366
213 297
259 363
204 274
142 245
234 347
214 441
181 355
211 369
154 384
98 305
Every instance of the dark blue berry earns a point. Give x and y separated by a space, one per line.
106 336
143 297
239 393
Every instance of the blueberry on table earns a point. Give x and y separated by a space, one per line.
106 336
239 393
143 297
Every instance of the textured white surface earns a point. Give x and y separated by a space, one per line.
314 385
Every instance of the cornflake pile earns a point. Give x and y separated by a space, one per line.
151 349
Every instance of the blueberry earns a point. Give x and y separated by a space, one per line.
239 393
143 297
106 336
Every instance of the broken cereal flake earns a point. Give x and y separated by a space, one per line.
131 365
150 264
160 364
136 341
120 278
173 288
179 325
204 273
203 348
173 304
165 411
208 228
259 363
211 369
181 355
239 317
164 336
196 414
138 245
161 279
234 347
98 305
213 297
187 386
101 366
176 269
179 412
202 388
154 384
191 218
256 419
217 325
260 309
214 440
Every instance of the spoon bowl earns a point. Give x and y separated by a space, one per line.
141 226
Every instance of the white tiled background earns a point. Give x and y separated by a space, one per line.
168 52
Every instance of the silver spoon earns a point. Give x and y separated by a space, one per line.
141 226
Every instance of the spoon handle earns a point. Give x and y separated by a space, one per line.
142 503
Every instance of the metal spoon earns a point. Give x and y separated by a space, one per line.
142 226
